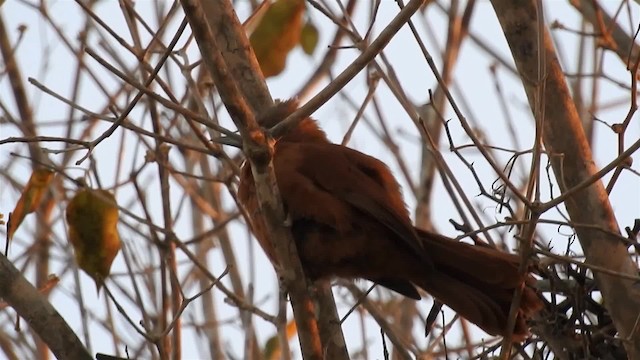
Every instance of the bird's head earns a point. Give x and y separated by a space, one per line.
306 130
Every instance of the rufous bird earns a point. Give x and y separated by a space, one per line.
349 220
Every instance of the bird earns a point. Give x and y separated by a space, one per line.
348 219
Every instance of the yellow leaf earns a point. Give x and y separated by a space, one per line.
272 349
277 33
29 199
92 216
309 38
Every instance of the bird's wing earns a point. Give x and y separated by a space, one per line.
329 176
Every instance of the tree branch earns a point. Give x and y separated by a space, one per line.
572 163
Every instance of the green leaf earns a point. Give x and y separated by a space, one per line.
309 38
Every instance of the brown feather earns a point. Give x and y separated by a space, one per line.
348 219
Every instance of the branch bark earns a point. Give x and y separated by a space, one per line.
39 314
572 163
27 124
257 146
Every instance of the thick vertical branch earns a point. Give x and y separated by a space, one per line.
334 345
259 151
572 162
237 52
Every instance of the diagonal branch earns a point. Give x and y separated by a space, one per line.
572 163
38 312
259 150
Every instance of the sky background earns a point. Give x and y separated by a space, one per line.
473 84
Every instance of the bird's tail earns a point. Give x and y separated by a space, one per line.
478 283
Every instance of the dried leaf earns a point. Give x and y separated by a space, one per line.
29 199
92 216
277 34
272 349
